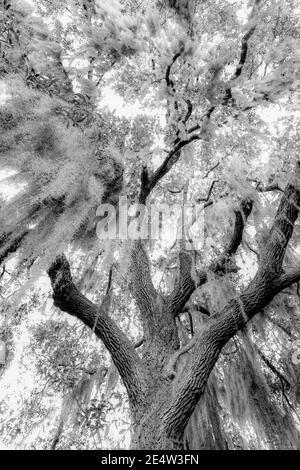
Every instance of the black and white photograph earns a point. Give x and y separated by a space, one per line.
149 228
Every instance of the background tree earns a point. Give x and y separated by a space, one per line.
211 115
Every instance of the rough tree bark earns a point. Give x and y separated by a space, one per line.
162 401
162 404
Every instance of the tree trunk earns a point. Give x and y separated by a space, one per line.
161 402
203 432
149 431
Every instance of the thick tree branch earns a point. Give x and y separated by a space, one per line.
170 160
241 216
188 283
228 97
267 283
228 91
142 287
69 299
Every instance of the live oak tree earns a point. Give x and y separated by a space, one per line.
217 90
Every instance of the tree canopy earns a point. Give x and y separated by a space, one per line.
111 343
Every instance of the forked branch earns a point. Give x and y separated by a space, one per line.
190 279
221 327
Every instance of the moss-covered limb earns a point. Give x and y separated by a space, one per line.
69 299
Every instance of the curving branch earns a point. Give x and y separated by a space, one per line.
187 282
241 216
170 369
241 63
272 367
268 188
238 71
206 198
170 160
211 169
189 111
243 53
189 307
69 299
268 282
169 81
228 91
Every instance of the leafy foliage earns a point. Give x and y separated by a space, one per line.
222 77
